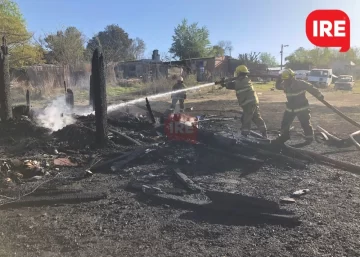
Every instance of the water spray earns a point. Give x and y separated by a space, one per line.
138 100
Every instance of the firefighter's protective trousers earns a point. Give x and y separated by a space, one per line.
249 102
304 119
297 105
174 102
251 113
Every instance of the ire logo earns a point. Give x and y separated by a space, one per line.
181 127
329 28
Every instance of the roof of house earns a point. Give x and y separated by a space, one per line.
274 68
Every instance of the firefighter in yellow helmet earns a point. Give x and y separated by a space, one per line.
180 96
248 100
297 104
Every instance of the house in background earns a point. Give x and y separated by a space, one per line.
274 70
146 69
213 68
206 69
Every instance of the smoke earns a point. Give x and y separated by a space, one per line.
55 116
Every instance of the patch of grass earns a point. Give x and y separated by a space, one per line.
356 89
117 91
266 86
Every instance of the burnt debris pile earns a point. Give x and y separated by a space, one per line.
22 128
158 168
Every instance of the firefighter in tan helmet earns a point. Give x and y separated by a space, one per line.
179 96
297 104
248 101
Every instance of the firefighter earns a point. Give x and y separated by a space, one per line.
297 104
248 101
180 96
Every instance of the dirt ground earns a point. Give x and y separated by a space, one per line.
126 224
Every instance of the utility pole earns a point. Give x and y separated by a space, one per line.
282 52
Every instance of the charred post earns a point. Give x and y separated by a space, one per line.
69 98
91 93
28 99
151 114
99 89
5 99
65 87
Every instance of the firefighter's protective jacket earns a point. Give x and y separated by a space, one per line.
296 94
179 95
245 92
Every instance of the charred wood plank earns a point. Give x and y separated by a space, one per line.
186 181
274 155
355 169
122 135
107 164
228 200
234 156
130 124
118 165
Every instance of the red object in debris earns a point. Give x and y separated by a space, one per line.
64 162
181 127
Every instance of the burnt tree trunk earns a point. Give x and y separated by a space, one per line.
99 87
28 99
5 98
91 93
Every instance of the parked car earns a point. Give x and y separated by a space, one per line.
344 82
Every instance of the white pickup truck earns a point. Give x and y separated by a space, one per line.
320 77
301 74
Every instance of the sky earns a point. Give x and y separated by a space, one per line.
255 25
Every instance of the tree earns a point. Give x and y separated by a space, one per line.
190 41
21 50
137 49
249 58
113 42
66 47
303 58
268 59
217 51
227 46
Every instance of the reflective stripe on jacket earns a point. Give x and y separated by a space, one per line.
244 89
296 95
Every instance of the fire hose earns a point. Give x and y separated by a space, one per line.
338 112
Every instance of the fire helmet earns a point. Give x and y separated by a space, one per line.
241 69
287 74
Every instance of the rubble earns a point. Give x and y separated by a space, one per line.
300 192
